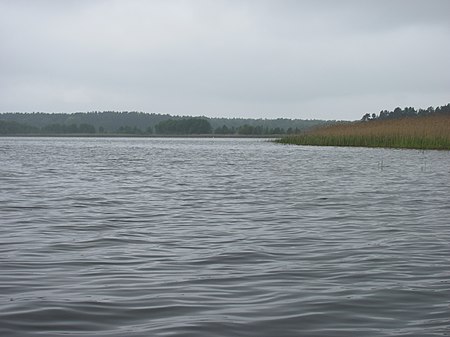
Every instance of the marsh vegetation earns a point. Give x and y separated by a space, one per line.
418 132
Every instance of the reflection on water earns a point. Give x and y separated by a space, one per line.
221 237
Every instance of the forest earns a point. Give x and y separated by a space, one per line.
145 124
407 112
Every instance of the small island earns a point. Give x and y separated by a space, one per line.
400 128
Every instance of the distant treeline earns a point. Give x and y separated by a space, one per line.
407 112
139 123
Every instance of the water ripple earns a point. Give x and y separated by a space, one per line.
221 237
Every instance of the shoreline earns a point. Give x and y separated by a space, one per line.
421 133
278 141
79 135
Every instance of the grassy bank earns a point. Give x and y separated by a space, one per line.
431 132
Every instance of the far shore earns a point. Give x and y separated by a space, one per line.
118 135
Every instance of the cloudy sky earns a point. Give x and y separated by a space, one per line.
228 58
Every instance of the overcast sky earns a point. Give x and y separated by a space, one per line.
236 58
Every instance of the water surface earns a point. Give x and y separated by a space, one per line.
221 237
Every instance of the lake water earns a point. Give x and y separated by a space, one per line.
221 237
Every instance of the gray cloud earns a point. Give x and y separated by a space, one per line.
297 59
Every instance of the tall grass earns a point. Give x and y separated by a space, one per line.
431 132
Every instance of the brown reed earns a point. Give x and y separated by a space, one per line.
426 132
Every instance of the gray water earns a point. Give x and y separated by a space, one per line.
221 237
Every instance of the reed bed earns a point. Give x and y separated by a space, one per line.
430 132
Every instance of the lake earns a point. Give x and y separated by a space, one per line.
221 237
